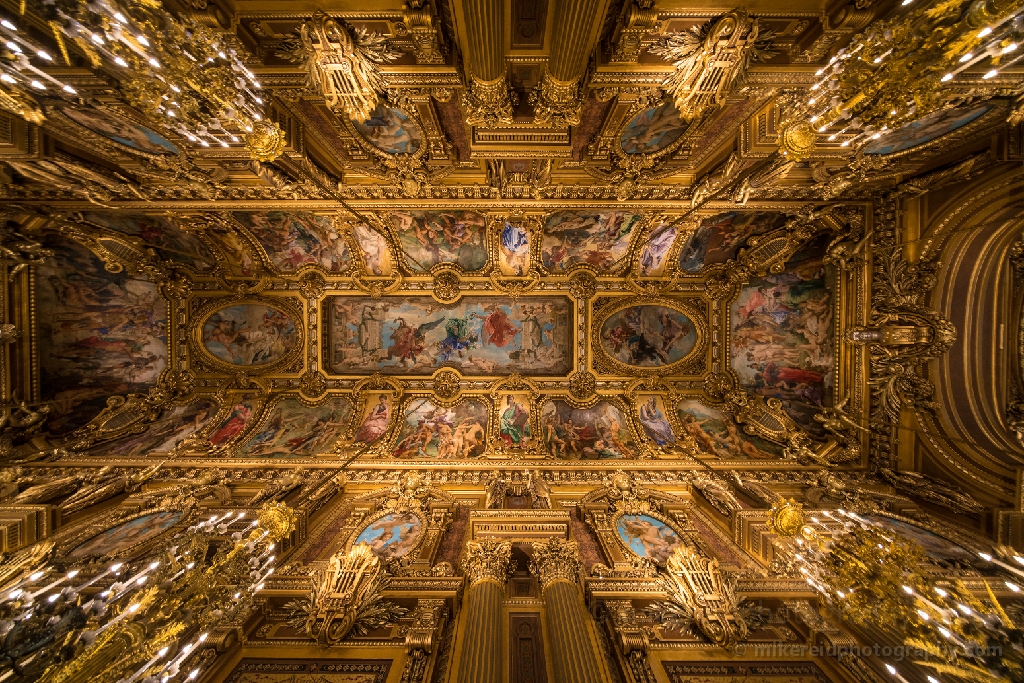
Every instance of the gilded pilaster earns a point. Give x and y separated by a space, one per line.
490 100
573 641
486 565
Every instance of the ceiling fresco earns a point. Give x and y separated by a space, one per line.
454 334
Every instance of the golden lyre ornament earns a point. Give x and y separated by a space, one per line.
342 64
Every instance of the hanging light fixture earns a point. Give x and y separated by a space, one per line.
906 67
180 73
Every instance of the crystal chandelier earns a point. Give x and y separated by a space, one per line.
908 66
143 620
870 576
181 74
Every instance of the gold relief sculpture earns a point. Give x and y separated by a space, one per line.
490 104
557 103
346 597
341 63
556 559
487 560
700 598
711 59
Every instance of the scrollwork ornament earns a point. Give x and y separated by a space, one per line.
312 286
313 383
447 384
447 286
582 385
583 285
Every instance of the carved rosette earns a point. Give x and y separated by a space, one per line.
447 384
557 103
555 559
487 560
266 142
583 285
447 286
798 140
582 385
490 104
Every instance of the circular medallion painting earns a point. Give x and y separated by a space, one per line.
124 536
935 546
652 130
249 334
393 535
122 131
648 336
925 129
648 537
391 130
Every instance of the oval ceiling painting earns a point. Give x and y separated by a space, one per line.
652 130
249 334
121 131
393 535
648 537
126 535
391 130
648 336
925 129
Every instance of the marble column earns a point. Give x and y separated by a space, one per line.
575 654
489 100
486 566
558 98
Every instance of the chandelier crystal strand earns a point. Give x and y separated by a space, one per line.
143 620
906 67
870 576
182 74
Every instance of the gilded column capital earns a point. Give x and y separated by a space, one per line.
490 104
557 103
487 560
556 559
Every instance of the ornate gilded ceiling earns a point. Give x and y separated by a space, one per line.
555 231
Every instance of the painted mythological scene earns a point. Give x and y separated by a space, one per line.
249 334
120 130
431 431
655 251
432 237
393 535
294 429
514 249
598 433
180 422
782 335
101 334
925 129
648 537
124 536
376 255
391 130
648 336
478 335
718 238
238 418
652 130
716 433
375 419
654 420
514 426
293 240
171 243
599 239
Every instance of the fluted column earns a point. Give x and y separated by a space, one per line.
489 101
574 650
486 565
558 98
